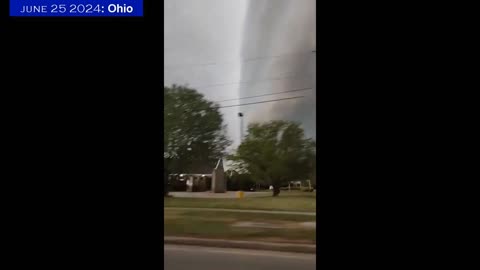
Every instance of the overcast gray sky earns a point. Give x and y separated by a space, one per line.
236 48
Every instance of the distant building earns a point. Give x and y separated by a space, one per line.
192 182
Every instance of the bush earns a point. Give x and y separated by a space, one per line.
240 182
176 185
232 183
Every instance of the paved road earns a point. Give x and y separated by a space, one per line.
205 258
244 210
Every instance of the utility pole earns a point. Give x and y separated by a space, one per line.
241 126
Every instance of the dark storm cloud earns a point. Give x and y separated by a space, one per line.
226 32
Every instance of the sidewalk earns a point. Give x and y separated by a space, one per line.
301 248
244 211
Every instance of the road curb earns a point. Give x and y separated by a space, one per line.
301 248
244 211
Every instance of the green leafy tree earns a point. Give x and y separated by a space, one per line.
275 153
194 133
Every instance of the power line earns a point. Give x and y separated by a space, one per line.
266 101
295 75
270 94
234 62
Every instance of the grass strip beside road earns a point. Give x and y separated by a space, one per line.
294 201
218 225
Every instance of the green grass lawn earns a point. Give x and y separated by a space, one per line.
286 201
212 224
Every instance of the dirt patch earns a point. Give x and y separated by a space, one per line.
283 240
249 224
277 225
309 225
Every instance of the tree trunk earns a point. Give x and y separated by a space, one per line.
276 190
165 185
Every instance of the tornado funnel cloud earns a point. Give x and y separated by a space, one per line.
284 30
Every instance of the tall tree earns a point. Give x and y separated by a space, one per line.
275 153
194 133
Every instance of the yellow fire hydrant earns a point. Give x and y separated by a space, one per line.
240 194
